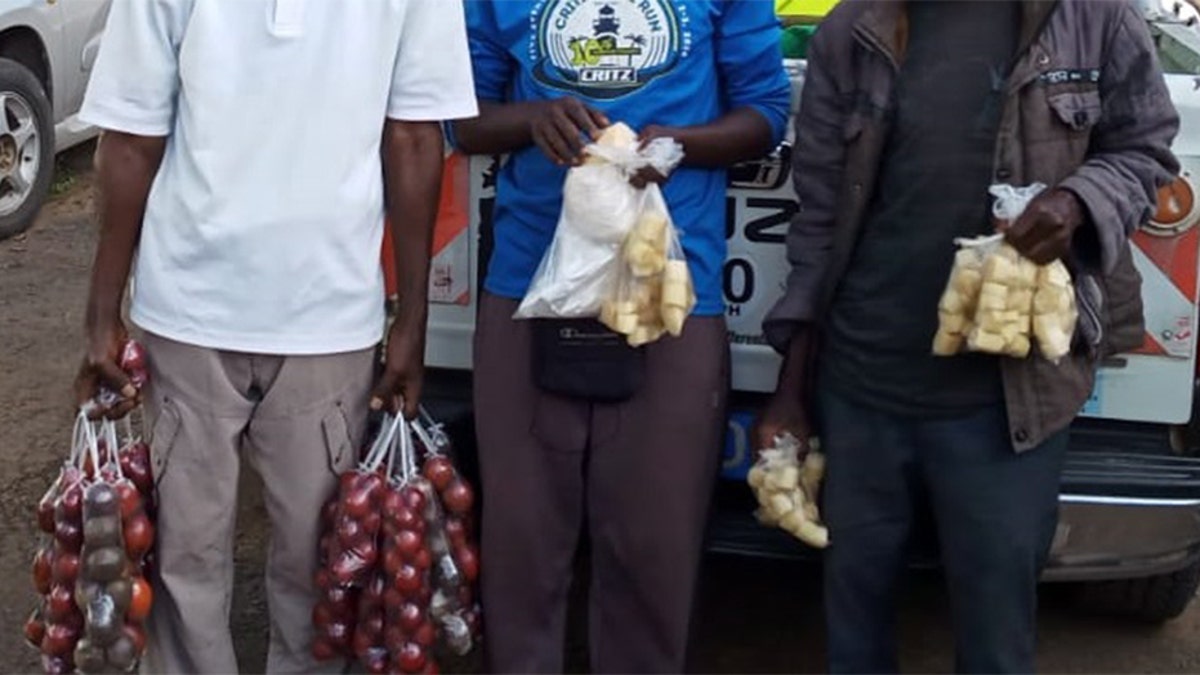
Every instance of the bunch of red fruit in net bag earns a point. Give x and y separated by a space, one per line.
399 565
91 569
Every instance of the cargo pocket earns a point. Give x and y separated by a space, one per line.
163 434
339 446
1080 111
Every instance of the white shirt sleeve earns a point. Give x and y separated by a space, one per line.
135 83
432 77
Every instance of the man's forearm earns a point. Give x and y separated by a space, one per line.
412 170
742 135
499 129
125 168
793 374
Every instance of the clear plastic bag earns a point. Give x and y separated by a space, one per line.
998 302
787 489
654 293
600 208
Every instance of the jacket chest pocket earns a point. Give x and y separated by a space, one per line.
1057 129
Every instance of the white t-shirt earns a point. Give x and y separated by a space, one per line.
264 227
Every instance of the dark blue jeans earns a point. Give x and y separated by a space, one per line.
996 513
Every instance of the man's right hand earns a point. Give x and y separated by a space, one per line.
101 370
784 414
563 126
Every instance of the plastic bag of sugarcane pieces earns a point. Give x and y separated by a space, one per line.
787 489
654 293
998 302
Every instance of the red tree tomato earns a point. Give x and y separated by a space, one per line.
59 640
425 635
411 617
141 601
130 499
456 532
69 536
137 636
66 569
458 498
60 604
439 471
43 570
323 650
411 658
468 563
408 543
407 580
35 630
139 536
414 498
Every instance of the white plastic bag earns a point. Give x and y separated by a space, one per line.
654 294
998 302
787 489
600 208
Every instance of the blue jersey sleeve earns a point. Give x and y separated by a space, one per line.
491 63
751 62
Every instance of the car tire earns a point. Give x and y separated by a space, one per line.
1154 599
26 162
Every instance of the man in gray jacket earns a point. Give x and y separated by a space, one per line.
910 111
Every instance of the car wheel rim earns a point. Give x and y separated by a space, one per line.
20 151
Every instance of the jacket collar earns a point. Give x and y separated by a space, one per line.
884 25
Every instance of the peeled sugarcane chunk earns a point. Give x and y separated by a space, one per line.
1018 347
643 258
983 341
967 282
953 302
813 534
779 505
1020 301
651 227
793 521
787 478
947 344
673 319
952 322
967 259
644 335
625 324
1054 275
991 321
1000 270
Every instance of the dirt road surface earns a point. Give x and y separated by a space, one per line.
753 616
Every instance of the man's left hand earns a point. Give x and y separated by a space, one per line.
399 389
649 174
1044 231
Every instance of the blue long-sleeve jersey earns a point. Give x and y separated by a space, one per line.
642 62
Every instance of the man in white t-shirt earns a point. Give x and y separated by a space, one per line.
250 151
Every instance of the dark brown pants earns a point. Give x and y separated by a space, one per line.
638 474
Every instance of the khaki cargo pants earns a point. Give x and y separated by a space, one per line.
299 421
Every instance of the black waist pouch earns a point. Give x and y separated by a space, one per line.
580 358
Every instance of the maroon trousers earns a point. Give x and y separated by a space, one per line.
638 475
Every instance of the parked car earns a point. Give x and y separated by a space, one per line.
47 48
1129 534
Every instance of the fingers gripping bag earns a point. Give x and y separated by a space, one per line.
600 208
997 301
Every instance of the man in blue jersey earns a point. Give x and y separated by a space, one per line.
632 453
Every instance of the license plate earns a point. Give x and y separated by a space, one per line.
738 456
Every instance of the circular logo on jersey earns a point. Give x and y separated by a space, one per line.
605 49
